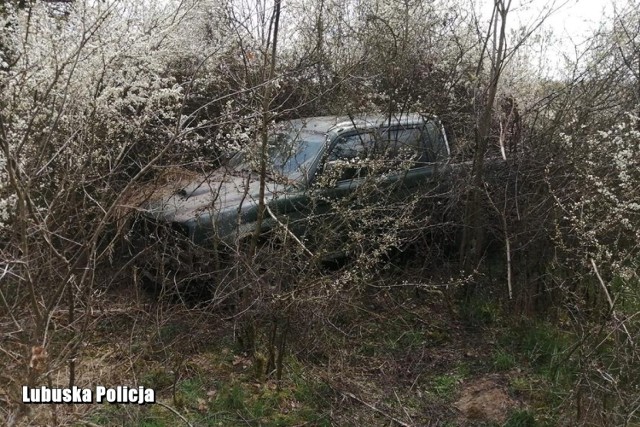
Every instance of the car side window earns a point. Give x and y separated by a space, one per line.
382 150
348 156
406 145
351 148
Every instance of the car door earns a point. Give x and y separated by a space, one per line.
365 166
339 173
429 146
345 167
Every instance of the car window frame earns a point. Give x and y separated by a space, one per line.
424 149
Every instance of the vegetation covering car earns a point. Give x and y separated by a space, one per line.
309 162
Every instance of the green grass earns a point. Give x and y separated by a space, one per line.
444 386
157 378
542 347
231 399
626 294
521 418
132 415
189 391
401 334
547 373
205 399
481 311
536 358
503 360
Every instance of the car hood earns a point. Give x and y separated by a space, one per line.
209 195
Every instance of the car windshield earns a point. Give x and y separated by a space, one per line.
290 155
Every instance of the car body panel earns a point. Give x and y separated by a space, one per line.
223 205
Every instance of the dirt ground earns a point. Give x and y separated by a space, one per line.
485 399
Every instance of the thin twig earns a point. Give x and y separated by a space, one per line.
402 406
4 300
175 412
289 232
507 241
604 287
380 411
610 301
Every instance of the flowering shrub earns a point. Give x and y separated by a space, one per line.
582 188
87 109
606 213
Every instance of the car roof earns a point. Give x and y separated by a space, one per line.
339 124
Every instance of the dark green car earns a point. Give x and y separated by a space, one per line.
310 162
